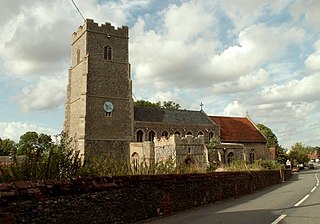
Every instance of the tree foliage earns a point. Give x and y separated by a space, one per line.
166 104
299 153
7 147
170 105
32 142
42 159
272 140
145 103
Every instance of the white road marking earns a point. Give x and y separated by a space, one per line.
278 219
302 200
313 189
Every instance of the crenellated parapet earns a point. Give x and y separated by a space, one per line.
106 29
189 139
178 140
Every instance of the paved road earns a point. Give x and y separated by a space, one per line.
297 201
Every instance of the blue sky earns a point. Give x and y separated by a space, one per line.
235 56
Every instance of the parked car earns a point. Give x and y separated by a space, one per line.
295 170
311 166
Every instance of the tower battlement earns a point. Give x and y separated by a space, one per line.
178 140
106 29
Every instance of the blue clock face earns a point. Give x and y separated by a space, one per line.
108 107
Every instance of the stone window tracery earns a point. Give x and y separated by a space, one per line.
135 161
107 54
230 158
177 133
251 156
189 133
165 134
139 136
210 135
151 135
78 56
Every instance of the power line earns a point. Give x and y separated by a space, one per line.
78 10
134 96
294 132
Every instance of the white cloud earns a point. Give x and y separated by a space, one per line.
295 90
309 10
312 63
188 21
170 59
115 12
245 13
13 130
33 40
245 83
235 109
181 64
258 44
45 94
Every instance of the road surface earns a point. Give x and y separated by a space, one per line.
294 202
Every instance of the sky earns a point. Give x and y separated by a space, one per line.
237 57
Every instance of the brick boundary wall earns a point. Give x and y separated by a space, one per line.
124 199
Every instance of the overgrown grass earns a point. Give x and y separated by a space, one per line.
257 165
62 163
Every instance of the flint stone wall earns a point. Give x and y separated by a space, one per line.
124 199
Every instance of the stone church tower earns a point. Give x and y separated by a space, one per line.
99 107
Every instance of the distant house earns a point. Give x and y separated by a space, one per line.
240 139
314 156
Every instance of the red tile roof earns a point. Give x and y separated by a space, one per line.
238 129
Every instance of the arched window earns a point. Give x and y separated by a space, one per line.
177 133
251 156
139 136
230 158
210 136
151 136
200 133
189 133
189 161
78 56
165 134
135 161
107 54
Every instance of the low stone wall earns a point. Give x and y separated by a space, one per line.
123 199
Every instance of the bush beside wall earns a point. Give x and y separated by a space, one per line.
123 199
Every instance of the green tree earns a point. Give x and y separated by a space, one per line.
166 104
42 159
299 153
317 149
145 103
272 140
34 142
63 160
170 105
35 148
7 147
281 155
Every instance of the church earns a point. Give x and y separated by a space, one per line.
101 118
